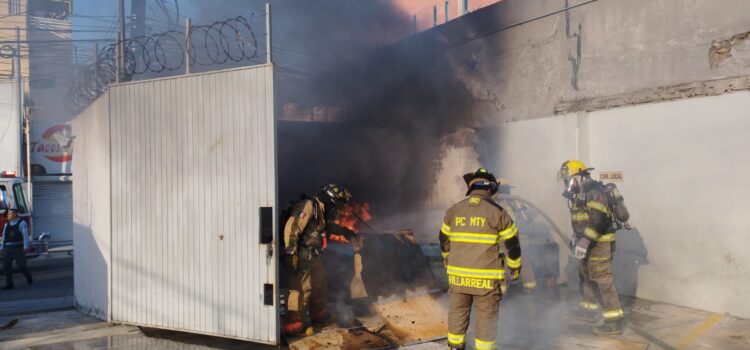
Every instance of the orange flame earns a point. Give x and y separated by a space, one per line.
348 219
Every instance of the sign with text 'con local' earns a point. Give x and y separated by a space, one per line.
611 176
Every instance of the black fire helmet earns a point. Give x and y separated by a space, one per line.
333 195
482 178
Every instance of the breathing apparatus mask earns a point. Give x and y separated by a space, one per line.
570 186
571 173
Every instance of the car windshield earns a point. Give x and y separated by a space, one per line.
3 198
20 198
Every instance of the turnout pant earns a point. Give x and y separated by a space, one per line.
11 253
597 284
527 276
487 309
307 293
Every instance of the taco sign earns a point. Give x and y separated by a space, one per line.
55 144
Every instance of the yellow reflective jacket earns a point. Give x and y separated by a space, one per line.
469 239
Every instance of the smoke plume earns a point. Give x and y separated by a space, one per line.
402 109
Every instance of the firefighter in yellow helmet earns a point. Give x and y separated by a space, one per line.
305 232
503 198
593 247
471 233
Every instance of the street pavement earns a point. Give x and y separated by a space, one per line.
46 320
52 288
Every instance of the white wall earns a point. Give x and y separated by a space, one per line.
686 168
91 210
10 128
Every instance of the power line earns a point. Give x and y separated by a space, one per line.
497 30
60 30
27 42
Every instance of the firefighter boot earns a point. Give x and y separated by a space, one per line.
586 316
320 317
609 328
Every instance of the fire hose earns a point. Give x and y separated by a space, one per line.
552 224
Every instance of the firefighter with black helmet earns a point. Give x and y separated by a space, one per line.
593 246
304 238
470 238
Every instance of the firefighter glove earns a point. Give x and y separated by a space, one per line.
582 248
292 262
515 273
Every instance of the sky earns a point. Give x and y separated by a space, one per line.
98 19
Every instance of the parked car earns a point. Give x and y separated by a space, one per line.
13 195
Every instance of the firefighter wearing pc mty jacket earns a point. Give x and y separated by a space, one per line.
470 239
593 246
304 238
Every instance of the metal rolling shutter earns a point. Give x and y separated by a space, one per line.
53 211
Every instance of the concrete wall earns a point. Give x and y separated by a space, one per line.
520 59
91 210
685 183
527 64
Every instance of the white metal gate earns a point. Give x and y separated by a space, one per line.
193 192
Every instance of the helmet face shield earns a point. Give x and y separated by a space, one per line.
571 184
335 196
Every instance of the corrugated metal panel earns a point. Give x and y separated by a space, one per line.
53 211
193 160
91 209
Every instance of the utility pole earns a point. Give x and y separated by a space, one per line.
97 64
120 43
137 18
188 25
24 119
75 68
268 33
122 16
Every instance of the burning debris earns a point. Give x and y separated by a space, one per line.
390 276
350 217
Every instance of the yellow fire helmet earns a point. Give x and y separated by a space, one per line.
572 168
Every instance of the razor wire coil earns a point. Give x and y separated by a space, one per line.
231 41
